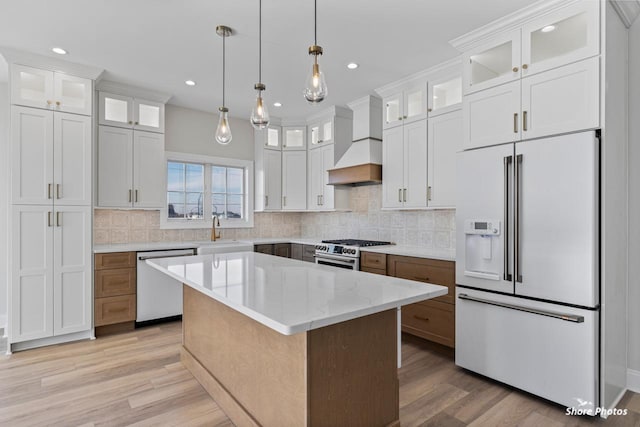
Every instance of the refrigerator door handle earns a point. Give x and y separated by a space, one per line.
561 316
507 164
518 167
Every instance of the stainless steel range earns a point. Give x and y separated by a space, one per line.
344 253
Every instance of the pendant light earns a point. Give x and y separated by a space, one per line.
223 133
316 87
259 114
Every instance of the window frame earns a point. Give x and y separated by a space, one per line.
208 162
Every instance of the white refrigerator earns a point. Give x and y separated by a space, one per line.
527 294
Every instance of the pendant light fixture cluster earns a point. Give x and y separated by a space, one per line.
315 90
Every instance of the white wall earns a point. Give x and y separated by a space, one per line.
4 190
634 198
192 131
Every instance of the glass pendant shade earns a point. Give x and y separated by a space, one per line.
223 133
260 113
316 87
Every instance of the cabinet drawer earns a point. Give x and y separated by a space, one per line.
282 249
296 251
115 260
432 320
381 271
113 282
112 310
373 260
264 249
424 270
308 251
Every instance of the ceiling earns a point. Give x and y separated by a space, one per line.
158 44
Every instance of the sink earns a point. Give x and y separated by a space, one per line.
224 246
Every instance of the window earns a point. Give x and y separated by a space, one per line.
201 187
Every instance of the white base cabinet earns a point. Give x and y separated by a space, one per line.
51 271
131 168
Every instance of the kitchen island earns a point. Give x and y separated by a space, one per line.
280 342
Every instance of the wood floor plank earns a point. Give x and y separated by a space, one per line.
136 378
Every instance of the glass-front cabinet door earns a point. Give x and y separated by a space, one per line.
31 87
492 64
445 95
415 103
294 138
72 94
327 131
393 110
321 133
148 115
116 110
567 35
273 137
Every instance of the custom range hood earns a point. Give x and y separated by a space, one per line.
362 163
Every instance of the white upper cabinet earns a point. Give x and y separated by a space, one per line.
567 35
32 87
321 132
405 106
72 135
133 113
294 138
273 137
321 196
131 168
493 63
445 95
268 169
445 140
294 180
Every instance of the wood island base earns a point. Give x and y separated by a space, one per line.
339 375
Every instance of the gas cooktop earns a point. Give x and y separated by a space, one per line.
356 242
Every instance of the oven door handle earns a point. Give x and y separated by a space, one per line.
346 261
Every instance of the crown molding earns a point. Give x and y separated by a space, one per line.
134 91
14 56
628 10
332 111
372 100
449 66
506 23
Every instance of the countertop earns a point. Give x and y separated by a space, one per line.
404 250
291 296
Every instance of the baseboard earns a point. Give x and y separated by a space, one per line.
633 380
42 342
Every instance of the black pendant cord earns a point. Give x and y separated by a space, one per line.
259 41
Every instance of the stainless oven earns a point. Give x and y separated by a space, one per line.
340 261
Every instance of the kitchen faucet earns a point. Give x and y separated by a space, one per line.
216 221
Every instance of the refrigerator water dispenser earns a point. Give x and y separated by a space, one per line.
482 249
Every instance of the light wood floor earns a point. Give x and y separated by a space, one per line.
137 379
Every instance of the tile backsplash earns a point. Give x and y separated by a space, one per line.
432 229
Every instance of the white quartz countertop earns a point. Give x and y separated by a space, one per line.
142 247
413 251
291 296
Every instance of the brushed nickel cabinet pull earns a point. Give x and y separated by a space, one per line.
49 219
130 122
429 193
266 201
515 122
404 195
400 195
426 319
136 199
58 103
58 216
137 123
49 187
129 196
515 69
524 121
57 191
525 66
284 200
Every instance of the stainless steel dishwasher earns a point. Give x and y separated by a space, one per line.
159 297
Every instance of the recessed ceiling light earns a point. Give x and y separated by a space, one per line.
190 83
352 65
277 104
548 28
59 51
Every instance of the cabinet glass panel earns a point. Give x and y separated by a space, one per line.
273 137
33 87
294 138
491 63
116 110
392 111
415 103
73 93
447 93
149 115
327 134
315 135
559 38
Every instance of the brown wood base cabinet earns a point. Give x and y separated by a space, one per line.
114 292
434 319
323 377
